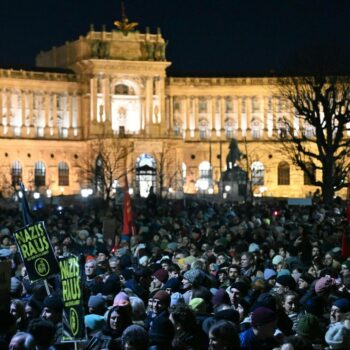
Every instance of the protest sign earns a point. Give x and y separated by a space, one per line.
36 251
73 312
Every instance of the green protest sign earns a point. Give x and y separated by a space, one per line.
36 251
73 312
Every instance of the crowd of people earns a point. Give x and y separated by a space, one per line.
196 275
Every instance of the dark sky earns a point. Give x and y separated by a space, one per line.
215 36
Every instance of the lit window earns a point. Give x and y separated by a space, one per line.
16 173
39 174
63 174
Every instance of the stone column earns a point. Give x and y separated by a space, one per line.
212 112
106 98
47 98
187 115
222 115
149 103
162 121
93 99
171 113
70 115
23 112
79 115
54 115
195 114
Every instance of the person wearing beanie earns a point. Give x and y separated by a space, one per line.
338 336
220 297
284 284
339 310
94 323
159 278
118 319
308 327
270 276
135 337
52 311
161 329
260 335
324 285
172 285
198 305
97 304
305 281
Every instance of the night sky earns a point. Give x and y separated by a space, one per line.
205 36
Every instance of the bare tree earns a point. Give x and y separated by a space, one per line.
106 161
316 138
168 170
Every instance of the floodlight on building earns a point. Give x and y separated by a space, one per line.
20 194
62 190
131 191
203 184
115 184
210 190
224 195
36 195
227 188
86 192
48 193
170 190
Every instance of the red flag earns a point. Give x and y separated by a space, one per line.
128 225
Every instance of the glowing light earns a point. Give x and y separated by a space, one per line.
48 193
131 191
227 188
36 195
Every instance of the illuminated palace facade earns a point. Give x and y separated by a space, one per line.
115 85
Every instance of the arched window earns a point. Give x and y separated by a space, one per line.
39 174
63 174
310 174
283 174
257 173
122 89
16 173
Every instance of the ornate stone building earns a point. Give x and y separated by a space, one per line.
114 85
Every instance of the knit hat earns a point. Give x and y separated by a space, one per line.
163 297
324 284
53 302
194 275
262 315
253 247
197 305
277 259
94 322
220 297
338 337
287 281
96 301
283 272
143 260
269 273
342 304
309 326
121 299
315 306
173 284
227 314
306 277
5 253
162 275
137 334
176 298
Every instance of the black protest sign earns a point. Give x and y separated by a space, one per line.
73 312
36 251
